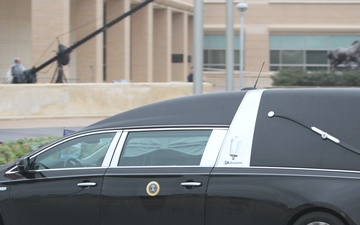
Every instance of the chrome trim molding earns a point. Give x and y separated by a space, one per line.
87 184
292 171
285 175
191 184
304 169
151 174
111 151
118 150
3 188
10 171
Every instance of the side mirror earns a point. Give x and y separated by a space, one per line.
23 165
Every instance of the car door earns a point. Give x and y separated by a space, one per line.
63 183
160 177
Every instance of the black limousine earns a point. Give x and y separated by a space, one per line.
256 157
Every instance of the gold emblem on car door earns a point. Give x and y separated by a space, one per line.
152 188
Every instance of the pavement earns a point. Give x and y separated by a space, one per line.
13 129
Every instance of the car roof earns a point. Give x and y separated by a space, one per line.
212 109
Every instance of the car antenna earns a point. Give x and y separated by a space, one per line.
252 88
259 74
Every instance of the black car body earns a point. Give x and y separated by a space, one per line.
264 157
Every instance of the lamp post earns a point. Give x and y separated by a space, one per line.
241 7
198 46
229 45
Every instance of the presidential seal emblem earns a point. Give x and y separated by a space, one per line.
152 188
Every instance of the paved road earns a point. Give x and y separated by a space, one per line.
30 128
18 133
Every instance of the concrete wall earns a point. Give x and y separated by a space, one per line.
29 101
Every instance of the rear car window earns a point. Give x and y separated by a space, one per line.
164 148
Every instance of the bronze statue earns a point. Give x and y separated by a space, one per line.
345 56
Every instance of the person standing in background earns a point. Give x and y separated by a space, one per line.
15 72
190 77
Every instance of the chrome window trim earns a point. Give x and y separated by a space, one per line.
303 168
242 127
109 154
117 173
210 153
118 149
295 169
105 163
11 170
69 169
288 175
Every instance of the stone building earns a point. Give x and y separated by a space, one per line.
155 44
139 48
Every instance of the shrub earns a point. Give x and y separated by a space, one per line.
298 77
12 150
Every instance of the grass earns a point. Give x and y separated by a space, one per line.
12 150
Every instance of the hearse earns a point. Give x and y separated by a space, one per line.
259 157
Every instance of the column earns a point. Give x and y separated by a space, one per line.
179 46
88 16
49 20
118 42
142 45
162 45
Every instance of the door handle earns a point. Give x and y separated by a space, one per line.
87 184
191 184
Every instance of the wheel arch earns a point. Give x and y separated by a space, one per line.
317 209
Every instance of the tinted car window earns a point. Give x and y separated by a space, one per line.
161 148
85 151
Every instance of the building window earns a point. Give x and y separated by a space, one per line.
215 52
308 52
